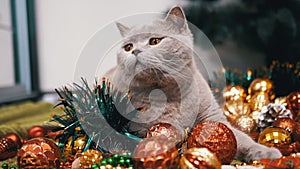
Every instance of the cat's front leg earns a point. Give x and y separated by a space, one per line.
248 150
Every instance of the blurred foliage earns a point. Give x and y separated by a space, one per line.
270 26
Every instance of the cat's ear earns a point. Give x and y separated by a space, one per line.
123 29
176 15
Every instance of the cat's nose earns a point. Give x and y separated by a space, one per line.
136 52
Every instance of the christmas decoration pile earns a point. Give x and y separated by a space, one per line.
88 134
268 120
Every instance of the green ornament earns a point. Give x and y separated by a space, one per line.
95 166
110 160
103 162
122 162
128 161
5 166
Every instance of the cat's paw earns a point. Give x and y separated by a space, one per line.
258 151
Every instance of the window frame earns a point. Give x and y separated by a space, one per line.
25 54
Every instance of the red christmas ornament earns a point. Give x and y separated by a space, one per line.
37 131
39 153
15 138
285 149
156 152
296 147
216 137
296 132
285 123
293 103
254 135
283 162
8 148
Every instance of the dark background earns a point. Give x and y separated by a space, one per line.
271 27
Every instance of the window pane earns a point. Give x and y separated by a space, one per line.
7 73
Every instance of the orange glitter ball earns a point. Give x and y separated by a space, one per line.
216 137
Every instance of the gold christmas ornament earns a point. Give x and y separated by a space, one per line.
280 100
263 85
245 123
254 115
274 137
195 158
235 108
258 101
90 157
234 92
77 147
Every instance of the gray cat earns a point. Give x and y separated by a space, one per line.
156 63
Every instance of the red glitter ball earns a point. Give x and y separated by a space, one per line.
216 137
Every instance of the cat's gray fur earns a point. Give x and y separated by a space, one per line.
164 80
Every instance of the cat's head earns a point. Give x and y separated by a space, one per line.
165 44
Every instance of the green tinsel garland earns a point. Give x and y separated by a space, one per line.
93 113
285 76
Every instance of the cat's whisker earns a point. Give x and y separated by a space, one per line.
172 68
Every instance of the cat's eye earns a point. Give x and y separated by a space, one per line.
154 41
128 47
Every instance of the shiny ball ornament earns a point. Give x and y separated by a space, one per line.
245 123
274 137
216 137
285 123
90 157
118 161
254 135
15 138
296 147
234 92
281 100
66 165
261 85
172 133
195 158
155 152
270 113
74 146
293 102
296 132
285 150
39 153
233 109
8 148
254 115
258 101
36 131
